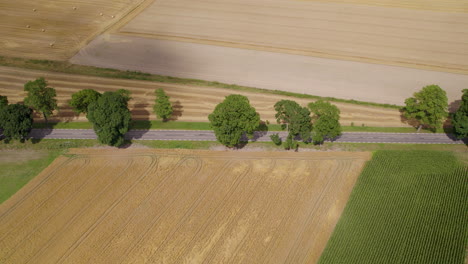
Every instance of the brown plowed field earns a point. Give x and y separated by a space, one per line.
67 28
169 206
395 36
191 103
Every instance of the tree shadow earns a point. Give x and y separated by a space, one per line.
410 121
140 123
177 110
261 131
453 106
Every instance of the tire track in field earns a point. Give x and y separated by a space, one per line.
61 204
75 215
339 170
36 187
177 220
244 198
147 202
235 223
106 213
195 208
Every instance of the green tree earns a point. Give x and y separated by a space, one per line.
232 118
162 106
41 97
276 139
427 107
460 118
16 121
3 101
82 99
295 118
326 121
110 117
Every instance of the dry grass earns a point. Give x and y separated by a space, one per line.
161 206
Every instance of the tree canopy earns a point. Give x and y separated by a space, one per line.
110 117
460 118
82 99
16 121
40 97
162 106
295 118
3 101
428 107
232 118
326 121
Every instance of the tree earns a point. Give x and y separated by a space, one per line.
3 101
276 139
82 99
40 97
427 107
460 118
110 117
162 106
326 121
16 121
295 118
232 118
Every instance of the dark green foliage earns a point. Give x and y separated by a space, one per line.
427 107
290 143
460 118
326 121
110 117
16 121
232 118
276 139
82 99
296 119
3 101
162 106
406 207
40 97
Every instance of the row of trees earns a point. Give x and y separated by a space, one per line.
429 108
234 117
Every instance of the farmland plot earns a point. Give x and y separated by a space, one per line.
28 28
161 206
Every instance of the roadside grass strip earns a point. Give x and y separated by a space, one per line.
406 207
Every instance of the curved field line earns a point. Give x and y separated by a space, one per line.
266 209
231 189
155 219
65 162
153 163
215 212
147 198
78 214
23 218
337 171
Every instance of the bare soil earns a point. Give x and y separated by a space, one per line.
179 206
191 103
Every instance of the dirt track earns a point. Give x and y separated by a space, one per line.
135 206
191 103
67 28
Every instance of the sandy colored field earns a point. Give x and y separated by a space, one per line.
191 103
434 5
168 206
67 28
414 38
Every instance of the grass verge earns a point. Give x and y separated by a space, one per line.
66 67
406 207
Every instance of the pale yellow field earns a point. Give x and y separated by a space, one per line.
68 29
434 5
191 103
394 36
169 206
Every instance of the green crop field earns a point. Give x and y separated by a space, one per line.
407 207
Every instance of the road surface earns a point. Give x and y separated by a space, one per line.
199 135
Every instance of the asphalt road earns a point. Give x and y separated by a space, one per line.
198 135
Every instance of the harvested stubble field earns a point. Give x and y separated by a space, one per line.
161 206
191 103
396 36
68 25
435 5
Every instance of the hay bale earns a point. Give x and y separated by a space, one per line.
74 8
43 30
51 45
100 14
28 26
112 16
34 9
